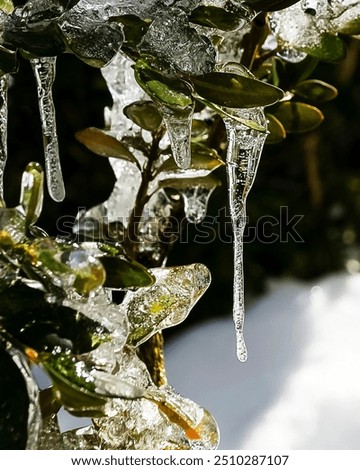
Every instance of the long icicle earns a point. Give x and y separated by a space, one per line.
4 84
44 71
244 151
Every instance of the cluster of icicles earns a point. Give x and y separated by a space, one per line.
244 151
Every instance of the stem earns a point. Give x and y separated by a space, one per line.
254 39
142 197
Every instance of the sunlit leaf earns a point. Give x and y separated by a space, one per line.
6 6
173 94
167 302
103 144
235 91
276 130
329 48
122 273
32 192
316 90
298 117
203 158
145 114
73 385
207 182
223 112
216 17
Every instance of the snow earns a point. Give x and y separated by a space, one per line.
299 388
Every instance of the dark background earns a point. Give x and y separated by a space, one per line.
316 175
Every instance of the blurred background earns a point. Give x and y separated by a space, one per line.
299 387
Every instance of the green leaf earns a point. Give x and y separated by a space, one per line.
199 130
44 326
202 158
298 117
14 399
276 130
215 17
49 404
103 144
235 117
32 192
315 90
8 61
350 27
329 48
235 91
6 6
167 302
173 94
73 386
270 5
145 114
208 182
122 273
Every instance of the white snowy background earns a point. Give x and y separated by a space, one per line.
300 388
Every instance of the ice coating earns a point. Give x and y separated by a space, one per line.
167 302
177 45
195 203
302 24
178 127
44 71
243 155
4 83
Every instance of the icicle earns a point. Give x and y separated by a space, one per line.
4 82
178 127
244 150
44 71
196 202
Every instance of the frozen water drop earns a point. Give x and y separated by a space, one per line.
243 155
4 82
196 202
44 71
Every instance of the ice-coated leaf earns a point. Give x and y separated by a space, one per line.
92 40
315 90
19 406
12 227
6 6
8 61
73 386
124 273
234 116
215 17
105 145
166 303
276 130
270 5
44 326
199 426
329 48
298 117
235 91
207 182
44 43
32 192
204 160
145 114
173 94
